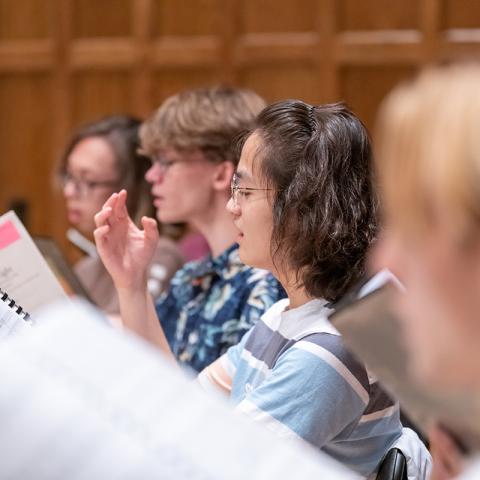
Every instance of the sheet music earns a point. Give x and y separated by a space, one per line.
10 322
84 401
24 274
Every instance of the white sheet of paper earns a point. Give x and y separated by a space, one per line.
471 471
10 322
24 273
81 401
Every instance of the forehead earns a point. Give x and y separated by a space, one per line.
92 153
250 158
181 155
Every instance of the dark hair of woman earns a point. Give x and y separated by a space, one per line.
318 161
121 134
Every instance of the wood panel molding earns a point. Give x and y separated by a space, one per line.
174 52
26 56
317 50
103 54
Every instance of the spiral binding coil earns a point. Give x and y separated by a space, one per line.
13 305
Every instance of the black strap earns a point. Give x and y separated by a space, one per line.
393 466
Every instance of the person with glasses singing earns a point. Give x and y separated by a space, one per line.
212 302
100 158
303 207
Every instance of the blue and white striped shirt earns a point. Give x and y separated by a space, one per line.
292 373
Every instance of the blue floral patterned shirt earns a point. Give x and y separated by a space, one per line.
211 303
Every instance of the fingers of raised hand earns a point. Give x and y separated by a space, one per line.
150 228
100 234
120 206
117 203
111 201
103 217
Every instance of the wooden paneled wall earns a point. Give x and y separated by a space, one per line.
64 62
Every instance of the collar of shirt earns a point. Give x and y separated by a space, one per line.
295 323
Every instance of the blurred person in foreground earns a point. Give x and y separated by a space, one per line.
428 160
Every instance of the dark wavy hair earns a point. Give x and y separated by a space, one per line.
318 160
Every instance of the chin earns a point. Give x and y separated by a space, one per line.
245 258
252 260
86 232
169 217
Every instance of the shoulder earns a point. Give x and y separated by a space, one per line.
188 271
327 352
86 262
89 267
168 256
338 383
324 344
166 246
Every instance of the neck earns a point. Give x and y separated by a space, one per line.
297 296
217 226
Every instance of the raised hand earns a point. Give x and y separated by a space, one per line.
125 250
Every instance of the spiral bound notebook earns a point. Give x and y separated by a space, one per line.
13 317
24 273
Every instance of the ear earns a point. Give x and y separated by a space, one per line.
223 176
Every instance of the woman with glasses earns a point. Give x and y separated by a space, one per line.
99 159
303 208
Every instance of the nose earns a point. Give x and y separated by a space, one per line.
69 190
232 208
155 173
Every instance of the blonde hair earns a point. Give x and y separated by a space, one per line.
207 118
428 151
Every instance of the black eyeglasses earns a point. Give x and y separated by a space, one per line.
242 192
